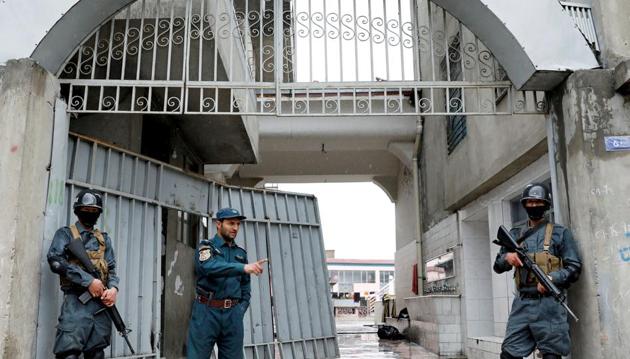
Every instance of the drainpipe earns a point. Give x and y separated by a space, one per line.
416 182
558 215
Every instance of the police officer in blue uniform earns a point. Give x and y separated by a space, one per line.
222 292
84 328
537 319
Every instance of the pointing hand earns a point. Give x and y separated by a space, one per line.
255 268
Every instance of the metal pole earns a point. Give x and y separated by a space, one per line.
277 53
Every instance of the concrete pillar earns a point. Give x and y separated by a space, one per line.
611 20
27 98
595 192
406 241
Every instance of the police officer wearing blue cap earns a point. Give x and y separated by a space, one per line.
222 292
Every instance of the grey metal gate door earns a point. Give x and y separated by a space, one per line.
283 227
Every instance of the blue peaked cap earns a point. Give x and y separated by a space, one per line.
226 213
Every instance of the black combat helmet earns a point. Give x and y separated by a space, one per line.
88 198
536 191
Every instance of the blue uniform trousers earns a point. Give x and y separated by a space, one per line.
537 322
215 325
79 329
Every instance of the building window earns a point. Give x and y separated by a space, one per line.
452 66
189 228
371 277
352 276
501 93
441 267
455 132
385 277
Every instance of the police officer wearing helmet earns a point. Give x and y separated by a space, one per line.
84 328
222 291
537 319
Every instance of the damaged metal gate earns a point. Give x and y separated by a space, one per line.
283 227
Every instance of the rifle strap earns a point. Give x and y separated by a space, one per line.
548 233
99 237
75 232
97 257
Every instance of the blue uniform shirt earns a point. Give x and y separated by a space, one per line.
220 270
73 272
562 246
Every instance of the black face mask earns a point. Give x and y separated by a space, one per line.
536 213
88 218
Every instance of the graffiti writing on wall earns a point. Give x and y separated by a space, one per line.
605 190
624 253
615 230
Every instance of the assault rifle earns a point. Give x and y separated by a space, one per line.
77 249
505 240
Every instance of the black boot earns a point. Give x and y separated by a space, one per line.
69 355
506 355
99 354
551 356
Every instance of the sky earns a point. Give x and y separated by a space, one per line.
358 219
23 23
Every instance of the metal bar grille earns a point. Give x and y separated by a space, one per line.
288 58
582 15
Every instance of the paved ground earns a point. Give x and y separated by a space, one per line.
358 341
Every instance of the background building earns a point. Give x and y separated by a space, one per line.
356 284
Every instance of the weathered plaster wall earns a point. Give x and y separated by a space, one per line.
611 20
494 149
27 97
405 209
406 242
594 184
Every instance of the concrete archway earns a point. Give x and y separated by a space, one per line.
535 43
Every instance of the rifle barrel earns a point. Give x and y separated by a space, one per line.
505 239
569 311
128 343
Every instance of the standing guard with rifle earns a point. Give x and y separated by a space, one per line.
546 262
84 259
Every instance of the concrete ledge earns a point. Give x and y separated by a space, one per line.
436 323
622 78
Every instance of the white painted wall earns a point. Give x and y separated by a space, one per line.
487 296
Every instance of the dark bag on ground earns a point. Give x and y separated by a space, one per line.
389 332
404 314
